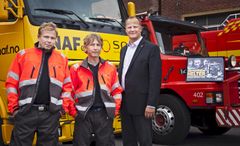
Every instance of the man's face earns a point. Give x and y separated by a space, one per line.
47 39
205 62
197 63
93 49
133 29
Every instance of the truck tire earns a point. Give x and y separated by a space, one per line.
172 121
214 130
211 127
1 138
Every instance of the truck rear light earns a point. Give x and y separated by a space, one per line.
214 97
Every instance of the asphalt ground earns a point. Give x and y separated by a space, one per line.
196 138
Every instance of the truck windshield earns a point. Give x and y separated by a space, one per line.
178 37
82 9
179 45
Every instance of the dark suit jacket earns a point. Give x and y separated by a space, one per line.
143 78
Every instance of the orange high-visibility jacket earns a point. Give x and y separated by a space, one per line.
83 83
23 80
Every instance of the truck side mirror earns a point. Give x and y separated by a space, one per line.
3 10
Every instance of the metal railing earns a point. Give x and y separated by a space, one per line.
224 23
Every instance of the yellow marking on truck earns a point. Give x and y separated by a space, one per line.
234 41
225 53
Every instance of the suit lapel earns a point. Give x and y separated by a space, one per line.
122 56
139 49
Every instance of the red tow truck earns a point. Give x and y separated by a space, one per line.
207 98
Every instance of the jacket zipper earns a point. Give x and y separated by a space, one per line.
103 79
32 72
88 84
92 101
39 76
54 71
104 83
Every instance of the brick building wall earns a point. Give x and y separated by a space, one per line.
179 8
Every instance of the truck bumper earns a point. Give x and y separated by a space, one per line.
228 116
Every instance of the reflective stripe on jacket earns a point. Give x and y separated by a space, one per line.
23 78
83 83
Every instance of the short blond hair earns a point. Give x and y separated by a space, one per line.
90 39
47 26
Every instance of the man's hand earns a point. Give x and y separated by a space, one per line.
149 112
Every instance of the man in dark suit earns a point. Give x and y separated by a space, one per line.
140 76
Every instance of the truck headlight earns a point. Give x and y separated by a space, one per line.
232 61
219 98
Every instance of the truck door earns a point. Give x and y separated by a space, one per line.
12 40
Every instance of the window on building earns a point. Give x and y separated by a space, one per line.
211 21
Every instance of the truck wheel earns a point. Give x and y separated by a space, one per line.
210 125
172 121
214 130
1 139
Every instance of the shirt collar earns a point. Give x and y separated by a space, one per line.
43 49
135 44
85 62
